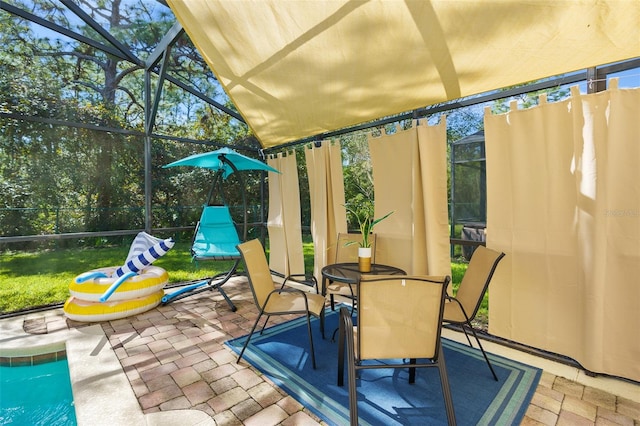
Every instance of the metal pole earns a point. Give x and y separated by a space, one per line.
147 152
452 199
596 80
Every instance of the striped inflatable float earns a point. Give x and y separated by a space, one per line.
137 261
152 280
136 294
86 311
117 292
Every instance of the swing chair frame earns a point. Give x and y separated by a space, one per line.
231 253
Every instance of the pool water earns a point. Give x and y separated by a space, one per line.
37 395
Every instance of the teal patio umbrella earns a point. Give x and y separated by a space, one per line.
225 160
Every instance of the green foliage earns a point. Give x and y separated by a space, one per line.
458 268
528 100
358 185
357 171
63 179
362 212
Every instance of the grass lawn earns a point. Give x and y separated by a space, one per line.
35 279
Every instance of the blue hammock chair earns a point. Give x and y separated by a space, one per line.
216 239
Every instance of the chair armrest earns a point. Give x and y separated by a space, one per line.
289 290
452 299
276 273
286 290
304 279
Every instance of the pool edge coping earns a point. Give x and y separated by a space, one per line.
101 389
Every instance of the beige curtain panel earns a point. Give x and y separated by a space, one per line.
563 201
410 179
326 191
284 222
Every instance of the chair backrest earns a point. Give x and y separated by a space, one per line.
476 279
257 269
400 316
346 253
216 234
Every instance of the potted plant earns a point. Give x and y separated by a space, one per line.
363 214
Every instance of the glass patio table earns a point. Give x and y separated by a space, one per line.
349 273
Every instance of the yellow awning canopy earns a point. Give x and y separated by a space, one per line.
297 68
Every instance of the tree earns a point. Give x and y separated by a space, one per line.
68 169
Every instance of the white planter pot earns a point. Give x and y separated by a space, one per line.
364 251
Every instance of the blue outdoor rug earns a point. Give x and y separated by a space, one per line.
384 395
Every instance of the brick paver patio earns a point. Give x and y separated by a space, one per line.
174 357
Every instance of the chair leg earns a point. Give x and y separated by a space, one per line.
466 335
412 371
353 299
486 358
351 312
341 334
446 390
265 324
467 323
333 335
353 397
313 355
246 342
351 371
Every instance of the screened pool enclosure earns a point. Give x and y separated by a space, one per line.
96 98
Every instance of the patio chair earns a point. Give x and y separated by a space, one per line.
348 253
277 301
398 318
462 308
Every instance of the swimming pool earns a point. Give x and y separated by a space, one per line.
37 395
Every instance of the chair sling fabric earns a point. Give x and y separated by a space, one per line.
398 318
348 253
462 308
272 301
215 238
